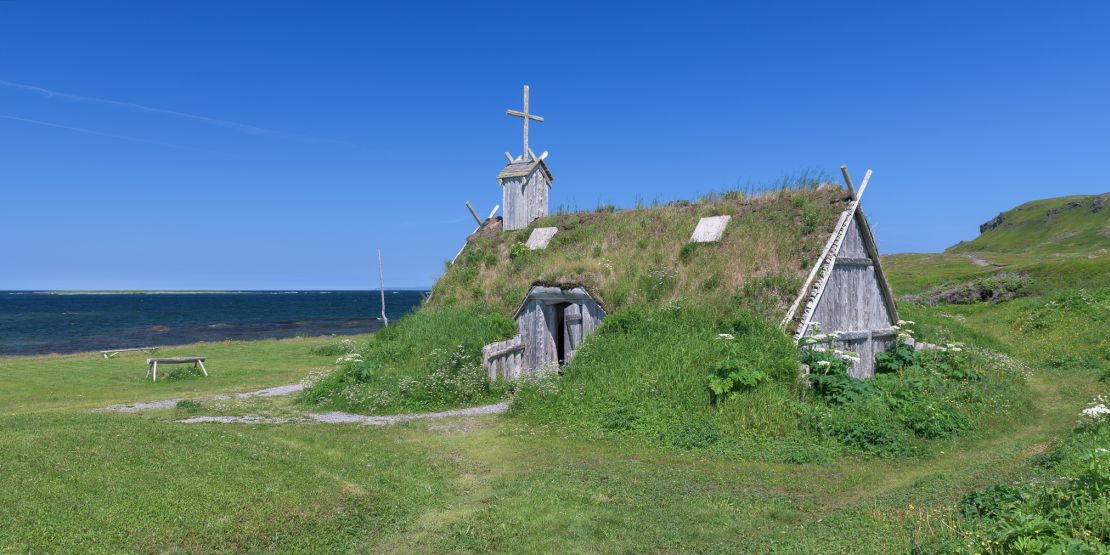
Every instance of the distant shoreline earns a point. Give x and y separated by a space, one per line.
179 346
208 292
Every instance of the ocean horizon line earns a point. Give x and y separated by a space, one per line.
197 291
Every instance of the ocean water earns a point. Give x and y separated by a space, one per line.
37 323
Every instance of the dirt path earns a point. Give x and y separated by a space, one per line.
978 261
322 417
171 403
348 418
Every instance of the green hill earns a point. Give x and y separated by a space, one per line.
1038 277
1062 225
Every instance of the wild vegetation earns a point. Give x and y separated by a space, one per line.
704 443
428 360
1064 509
1053 254
638 379
642 255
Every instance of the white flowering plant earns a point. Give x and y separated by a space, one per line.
1095 415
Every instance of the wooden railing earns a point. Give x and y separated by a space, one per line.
504 359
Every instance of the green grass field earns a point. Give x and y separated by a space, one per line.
78 481
74 480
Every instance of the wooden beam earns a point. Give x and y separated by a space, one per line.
473 213
848 180
543 155
509 156
863 185
532 117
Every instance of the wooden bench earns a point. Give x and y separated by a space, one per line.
111 353
152 364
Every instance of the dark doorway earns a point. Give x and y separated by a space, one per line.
560 332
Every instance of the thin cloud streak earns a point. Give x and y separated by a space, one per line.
241 127
101 133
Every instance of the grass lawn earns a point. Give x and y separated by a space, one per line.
88 381
72 480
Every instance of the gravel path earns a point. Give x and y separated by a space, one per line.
171 403
324 417
348 418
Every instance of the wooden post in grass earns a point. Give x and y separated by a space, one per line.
381 285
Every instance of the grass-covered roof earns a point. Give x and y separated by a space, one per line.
643 255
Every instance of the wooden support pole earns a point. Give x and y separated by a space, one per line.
509 156
525 121
473 213
848 180
381 285
863 185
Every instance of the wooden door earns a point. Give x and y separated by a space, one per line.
572 330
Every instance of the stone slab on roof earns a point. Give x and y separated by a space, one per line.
709 230
540 237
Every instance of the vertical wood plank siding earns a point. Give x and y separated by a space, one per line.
853 302
523 199
538 322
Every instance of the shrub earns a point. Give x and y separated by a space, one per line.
658 283
733 375
687 252
711 283
342 347
697 434
867 426
895 359
927 394
619 417
810 217
1068 515
519 251
643 375
932 419
993 288
189 406
428 360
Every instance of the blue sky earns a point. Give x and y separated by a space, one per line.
275 145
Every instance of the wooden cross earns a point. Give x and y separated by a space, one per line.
525 116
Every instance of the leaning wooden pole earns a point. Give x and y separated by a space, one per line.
381 286
473 213
829 262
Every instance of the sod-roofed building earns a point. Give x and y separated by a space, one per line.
801 256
